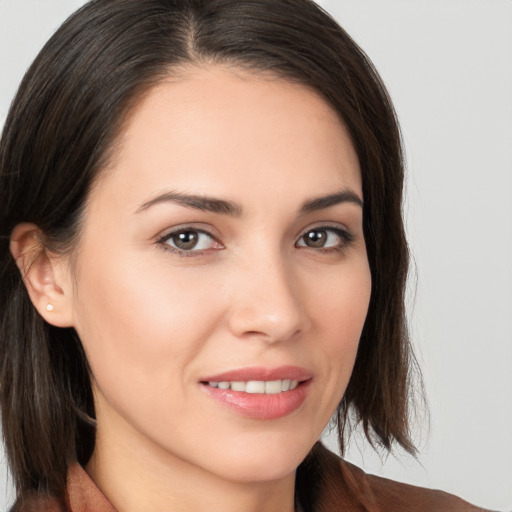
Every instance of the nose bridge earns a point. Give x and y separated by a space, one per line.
267 300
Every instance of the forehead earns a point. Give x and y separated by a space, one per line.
210 126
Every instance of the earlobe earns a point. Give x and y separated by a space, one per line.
44 274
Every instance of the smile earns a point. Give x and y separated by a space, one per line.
270 387
259 393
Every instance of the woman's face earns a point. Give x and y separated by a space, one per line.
224 244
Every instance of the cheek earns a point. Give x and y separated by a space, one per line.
339 308
340 302
139 324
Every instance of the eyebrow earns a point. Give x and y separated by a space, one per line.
198 202
222 206
321 203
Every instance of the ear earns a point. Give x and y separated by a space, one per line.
46 275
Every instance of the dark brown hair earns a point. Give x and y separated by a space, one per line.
56 139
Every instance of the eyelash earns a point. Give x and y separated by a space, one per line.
345 236
346 239
180 252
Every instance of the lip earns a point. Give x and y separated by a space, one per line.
261 373
260 406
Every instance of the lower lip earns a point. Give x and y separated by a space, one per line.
260 406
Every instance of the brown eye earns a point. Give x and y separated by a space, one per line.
315 238
185 240
325 238
189 241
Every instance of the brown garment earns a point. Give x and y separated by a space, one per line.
325 483
338 486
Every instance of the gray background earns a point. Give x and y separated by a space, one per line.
448 66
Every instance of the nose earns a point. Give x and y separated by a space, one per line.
267 302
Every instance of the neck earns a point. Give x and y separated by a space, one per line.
144 479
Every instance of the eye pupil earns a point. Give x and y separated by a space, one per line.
315 238
186 240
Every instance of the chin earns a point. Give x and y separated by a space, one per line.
266 458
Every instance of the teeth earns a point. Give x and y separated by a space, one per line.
237 386
255 386
270 387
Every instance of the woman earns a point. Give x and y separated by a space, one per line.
202 259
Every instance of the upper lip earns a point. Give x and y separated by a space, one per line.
260 373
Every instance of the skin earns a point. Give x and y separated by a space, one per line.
153 322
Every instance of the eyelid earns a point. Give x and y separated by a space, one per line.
200 227
342 231
332 226
162 239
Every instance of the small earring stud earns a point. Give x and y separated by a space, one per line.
49 307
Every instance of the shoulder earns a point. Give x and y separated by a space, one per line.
393 496
82 495
340 482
